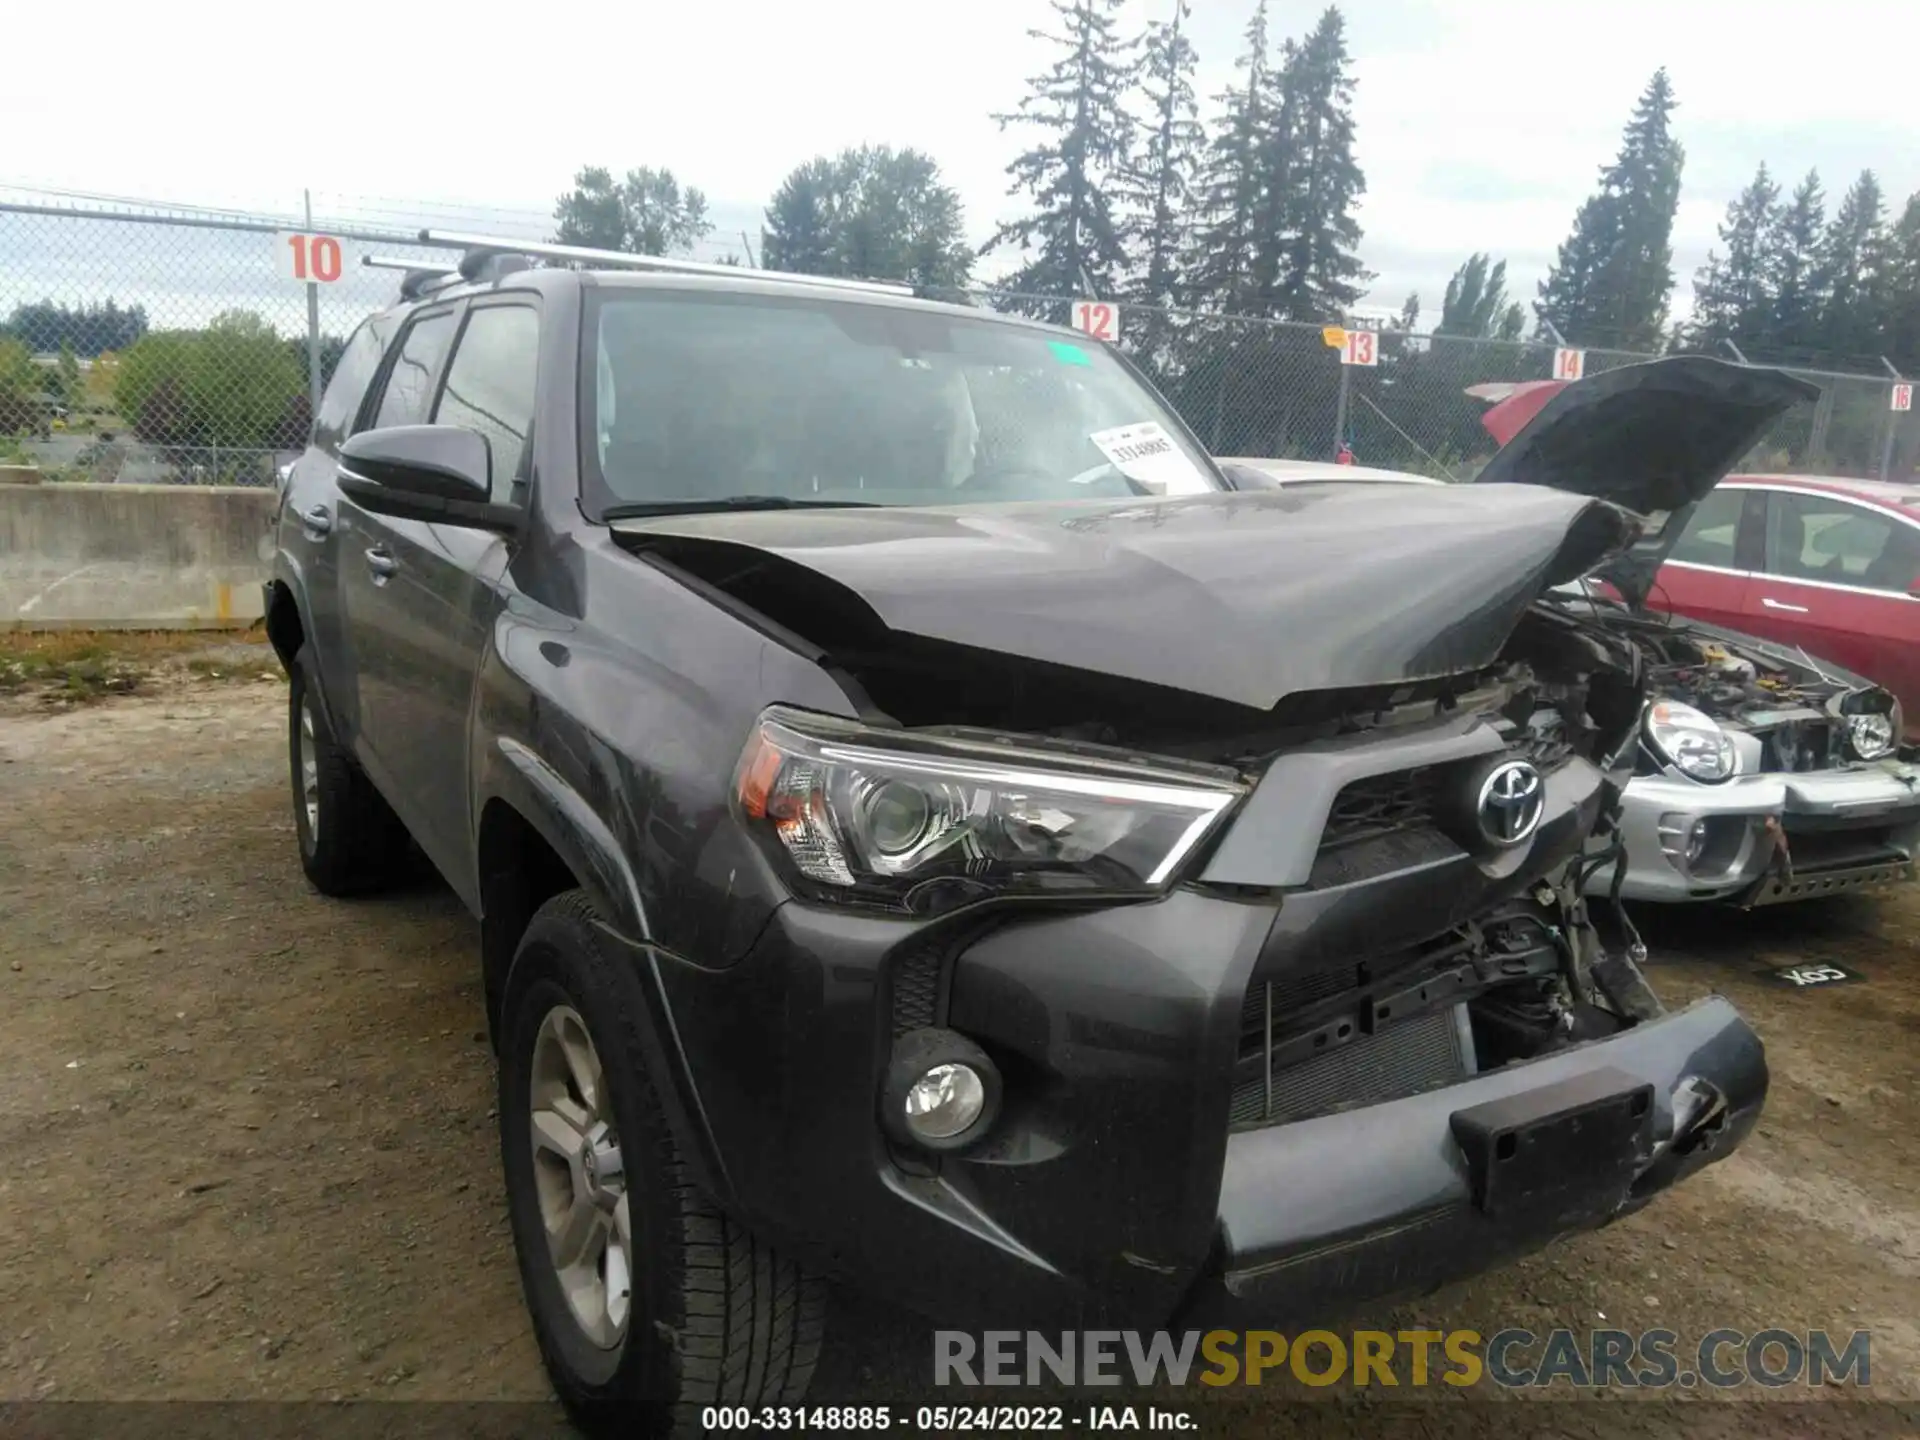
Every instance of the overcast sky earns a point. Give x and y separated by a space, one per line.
1482 123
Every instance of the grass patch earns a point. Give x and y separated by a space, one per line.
79 666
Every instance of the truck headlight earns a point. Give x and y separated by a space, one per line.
1871 736
926 821
1692 742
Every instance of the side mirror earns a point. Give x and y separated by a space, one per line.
438 473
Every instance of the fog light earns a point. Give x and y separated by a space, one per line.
945 1101
1696 843
942 1092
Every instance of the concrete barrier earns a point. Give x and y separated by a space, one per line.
132 557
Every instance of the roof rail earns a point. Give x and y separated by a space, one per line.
622 259
421 278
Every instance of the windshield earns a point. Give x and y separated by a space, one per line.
706 397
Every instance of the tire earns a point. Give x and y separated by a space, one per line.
350 839
712 1316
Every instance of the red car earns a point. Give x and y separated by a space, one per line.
1831 565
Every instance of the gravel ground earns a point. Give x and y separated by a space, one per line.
248 1147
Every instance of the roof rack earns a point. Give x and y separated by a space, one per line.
489 245
423 278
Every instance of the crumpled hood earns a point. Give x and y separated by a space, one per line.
1244 597
1654 438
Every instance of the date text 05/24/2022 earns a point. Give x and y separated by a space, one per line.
945 1418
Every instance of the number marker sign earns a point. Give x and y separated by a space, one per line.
1903 397
309 259
1569 364
1362 347
1099 318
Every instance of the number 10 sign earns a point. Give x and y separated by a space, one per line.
309 259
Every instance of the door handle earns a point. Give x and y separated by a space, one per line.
1773 604
381 562
317 519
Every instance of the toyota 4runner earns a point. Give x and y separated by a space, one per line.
929 828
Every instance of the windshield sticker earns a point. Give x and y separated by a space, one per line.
1146 454
1068 354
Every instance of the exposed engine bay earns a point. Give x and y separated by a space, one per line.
1783 717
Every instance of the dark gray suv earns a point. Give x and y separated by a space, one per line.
930 828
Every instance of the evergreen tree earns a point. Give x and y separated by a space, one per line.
1409 316
1897 290
1156 189
1732 298
645 213
1322 182
1476 303
1792 261
800 223
1086 135
1849 255
1612 279
874 212
1232 192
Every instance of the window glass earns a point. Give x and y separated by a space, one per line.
702 397
1822 537
1711 534
410 382
352 373
490 386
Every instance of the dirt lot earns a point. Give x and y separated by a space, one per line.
246 1142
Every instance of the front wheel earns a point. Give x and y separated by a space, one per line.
647 1302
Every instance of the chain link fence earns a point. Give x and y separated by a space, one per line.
185 347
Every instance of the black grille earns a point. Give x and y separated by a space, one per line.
1382 805
916 990
1423 1053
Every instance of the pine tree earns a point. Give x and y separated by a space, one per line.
1792 261
1612 279
1897 290
1322 276
1476 303
1077 105
1232 191
1849 253
1157 187
1732 299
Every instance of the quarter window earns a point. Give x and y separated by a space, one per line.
490 387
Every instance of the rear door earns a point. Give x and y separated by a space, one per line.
1837 578
1707 572
434 590
310 509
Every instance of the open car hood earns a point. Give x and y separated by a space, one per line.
1246 597
1654 438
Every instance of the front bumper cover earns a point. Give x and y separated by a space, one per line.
1863 823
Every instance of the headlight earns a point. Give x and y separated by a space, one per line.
1693 743
1871 736
928 822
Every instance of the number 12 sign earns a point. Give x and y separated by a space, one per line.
1098 318
309 259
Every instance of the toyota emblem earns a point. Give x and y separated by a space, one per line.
1512 800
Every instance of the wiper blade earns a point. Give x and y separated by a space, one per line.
718 503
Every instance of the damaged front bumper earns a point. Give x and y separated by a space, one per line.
1768 838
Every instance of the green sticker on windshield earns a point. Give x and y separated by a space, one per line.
1068 354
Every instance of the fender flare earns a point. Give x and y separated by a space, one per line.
586 845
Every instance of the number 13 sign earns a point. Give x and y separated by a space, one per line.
1098 318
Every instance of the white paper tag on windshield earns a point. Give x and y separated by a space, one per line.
1146 454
